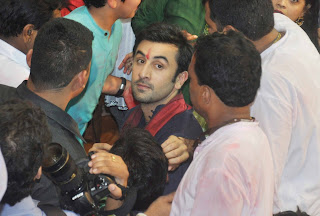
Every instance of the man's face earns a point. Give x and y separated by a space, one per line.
154 68
194 89
212 25
128 8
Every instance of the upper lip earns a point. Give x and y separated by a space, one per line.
278 11
143 85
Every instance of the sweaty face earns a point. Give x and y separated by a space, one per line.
212 27
291 8
154 68
128 8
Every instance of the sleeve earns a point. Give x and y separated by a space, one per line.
150 11
275 112
219 193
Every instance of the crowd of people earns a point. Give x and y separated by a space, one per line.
223 107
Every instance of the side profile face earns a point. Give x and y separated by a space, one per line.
212 27
194 87
291 8
128 8
154 68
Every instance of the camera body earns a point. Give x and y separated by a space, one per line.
81 192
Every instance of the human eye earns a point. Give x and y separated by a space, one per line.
158 66
140 61
294 1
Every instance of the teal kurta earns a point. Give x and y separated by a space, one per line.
104 55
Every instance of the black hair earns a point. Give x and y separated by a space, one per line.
291 213
254 18
146 162
230 65
57 4
62 49
23 130
16 14
310 24
96 3
168 34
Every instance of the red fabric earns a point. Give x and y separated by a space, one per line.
72 4
128 98
175 106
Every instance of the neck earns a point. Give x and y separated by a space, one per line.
228 114
16 42
266 41
57 97
104 17
148 109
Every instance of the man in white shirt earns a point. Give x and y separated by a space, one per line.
288 102
20 21
232 172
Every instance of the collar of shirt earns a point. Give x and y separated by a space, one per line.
51 110
13 53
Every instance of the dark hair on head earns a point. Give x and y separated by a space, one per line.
147 164
168 34
291 213
310 24
230 65
57 4
23 130
16 14
254 18
96 3
62 49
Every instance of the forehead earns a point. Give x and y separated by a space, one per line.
155 49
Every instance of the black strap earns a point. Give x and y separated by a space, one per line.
127 205
51 210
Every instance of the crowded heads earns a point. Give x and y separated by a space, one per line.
161 58
23 130
254 18
147 164
96 3
62 49
227 63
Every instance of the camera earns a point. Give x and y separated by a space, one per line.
81 192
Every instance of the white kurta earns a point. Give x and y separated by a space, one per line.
288 109
3 176
231 175
13 65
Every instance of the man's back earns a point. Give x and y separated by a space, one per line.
231 172
287 106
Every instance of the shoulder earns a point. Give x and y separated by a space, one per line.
7 93
80 14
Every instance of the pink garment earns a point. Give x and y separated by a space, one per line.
231 174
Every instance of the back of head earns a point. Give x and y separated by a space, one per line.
311 25
230 65
16 14
23 130
168 34
254 18
146 162
62 49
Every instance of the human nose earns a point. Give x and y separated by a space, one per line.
281 3
145 72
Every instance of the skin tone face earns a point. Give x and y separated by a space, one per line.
212 27
154 67
291 8
129 8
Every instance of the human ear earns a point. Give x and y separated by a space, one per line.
181 79
112 3
29 57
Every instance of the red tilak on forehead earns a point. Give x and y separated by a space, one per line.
148 54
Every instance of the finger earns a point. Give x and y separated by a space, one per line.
171 147
100 146
178 160
129 55
191 37
115 191
129 70
168 141
173 167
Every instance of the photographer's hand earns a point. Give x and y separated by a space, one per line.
107 163
100 147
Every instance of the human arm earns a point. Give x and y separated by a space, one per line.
161 206
112 84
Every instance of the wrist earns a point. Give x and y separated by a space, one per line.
122 87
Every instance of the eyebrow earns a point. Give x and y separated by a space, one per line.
155 57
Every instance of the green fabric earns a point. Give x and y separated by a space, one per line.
187 14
